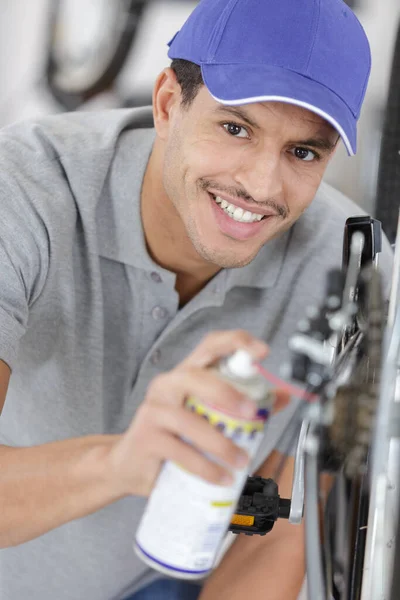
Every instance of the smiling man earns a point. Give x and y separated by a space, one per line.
125 237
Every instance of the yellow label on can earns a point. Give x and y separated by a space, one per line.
232 427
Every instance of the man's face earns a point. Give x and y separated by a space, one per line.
240 176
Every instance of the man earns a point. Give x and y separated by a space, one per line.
121 247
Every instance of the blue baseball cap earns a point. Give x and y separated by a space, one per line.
311 53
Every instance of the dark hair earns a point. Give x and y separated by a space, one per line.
189 78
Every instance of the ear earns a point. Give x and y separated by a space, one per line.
166 99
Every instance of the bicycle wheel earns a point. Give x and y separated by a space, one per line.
88 46
388 189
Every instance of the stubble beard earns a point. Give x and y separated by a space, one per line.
224 259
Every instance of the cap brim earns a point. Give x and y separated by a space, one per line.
233 84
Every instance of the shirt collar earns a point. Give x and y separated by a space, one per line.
119 222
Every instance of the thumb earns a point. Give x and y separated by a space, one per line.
282 399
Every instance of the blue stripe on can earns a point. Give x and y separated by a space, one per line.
167 566
263 413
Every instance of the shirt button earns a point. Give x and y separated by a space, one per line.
159 312
155 277
155 357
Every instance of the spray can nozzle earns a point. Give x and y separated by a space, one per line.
241 364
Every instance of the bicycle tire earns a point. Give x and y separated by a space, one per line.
71 100
388 187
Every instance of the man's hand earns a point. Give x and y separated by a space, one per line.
156 432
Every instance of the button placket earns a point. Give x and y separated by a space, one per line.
159 312
155 277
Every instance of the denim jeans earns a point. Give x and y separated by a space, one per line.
168 589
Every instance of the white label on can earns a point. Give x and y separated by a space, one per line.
186 518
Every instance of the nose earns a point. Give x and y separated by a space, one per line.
261 176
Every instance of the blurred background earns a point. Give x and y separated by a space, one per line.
58 55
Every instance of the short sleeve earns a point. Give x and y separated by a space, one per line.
23 263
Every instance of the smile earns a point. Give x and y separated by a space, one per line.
235 212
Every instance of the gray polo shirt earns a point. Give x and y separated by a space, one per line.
87 319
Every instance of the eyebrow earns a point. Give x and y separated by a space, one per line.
239 113
318 143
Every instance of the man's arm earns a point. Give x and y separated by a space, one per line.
272 566
46 486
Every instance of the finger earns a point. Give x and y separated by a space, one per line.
218 344
282 399
197 431
195 462
176 386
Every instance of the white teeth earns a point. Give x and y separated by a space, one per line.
237 213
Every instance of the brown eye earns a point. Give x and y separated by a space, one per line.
304 154
236 130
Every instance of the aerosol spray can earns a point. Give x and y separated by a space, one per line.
186 518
